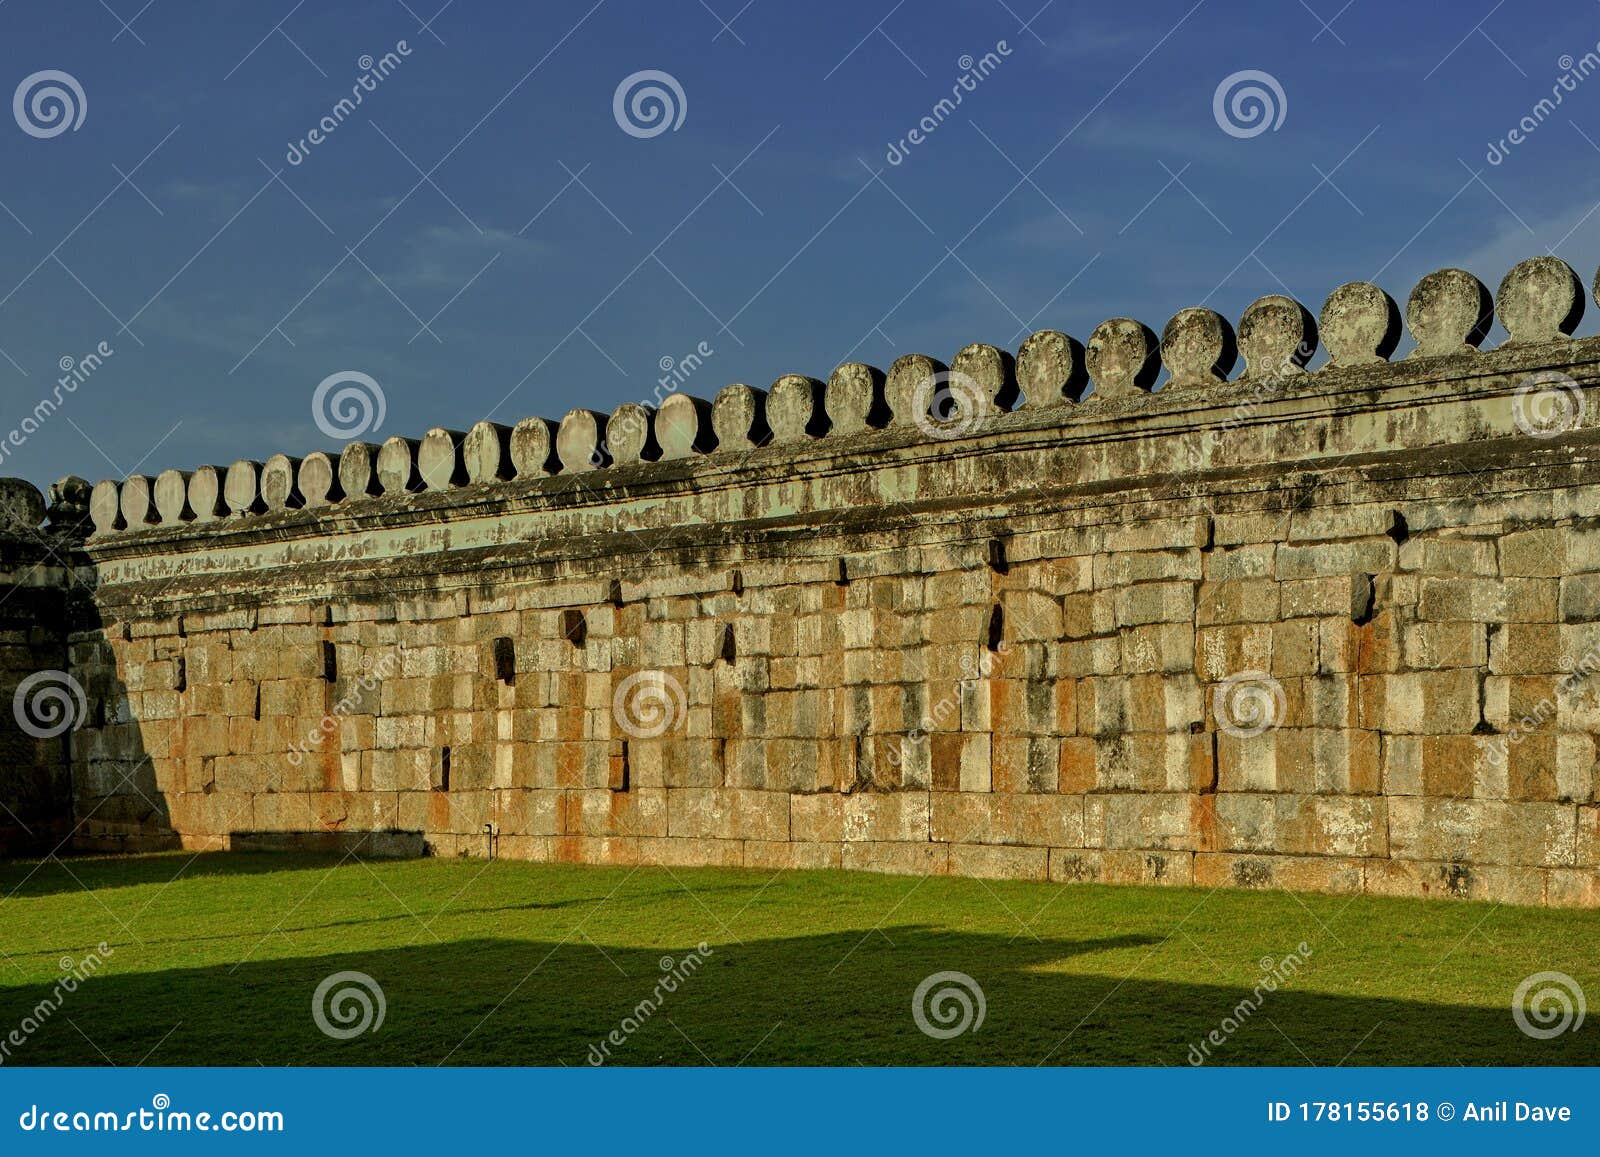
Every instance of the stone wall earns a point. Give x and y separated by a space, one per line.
1328 630
40 596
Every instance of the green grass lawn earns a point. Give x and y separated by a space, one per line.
216 958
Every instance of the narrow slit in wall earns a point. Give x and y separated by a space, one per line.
505 659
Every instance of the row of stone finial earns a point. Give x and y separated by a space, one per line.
1449 312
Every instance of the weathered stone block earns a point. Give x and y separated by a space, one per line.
901 859
1233 870
986 861
1424 703
1356 556
1139 820
1158 602
1445 644
1486 600
1035 820
1483 832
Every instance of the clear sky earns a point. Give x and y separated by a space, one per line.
482 236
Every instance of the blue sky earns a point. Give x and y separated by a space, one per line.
482 237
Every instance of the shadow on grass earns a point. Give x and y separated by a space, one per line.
24 878
842 998
70 875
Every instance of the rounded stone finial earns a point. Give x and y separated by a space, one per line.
486 452
439 459
739 418
630 435
206 499
794 408
318 480
279 489
683 426
22 507
1198 347
397 466
533 448
358 470
1277 336
1050 370
242 487
993 369
1541 299
172 496
105 505
1360 324
139 501
581 441
1449 312
907 378
854 398
1123 358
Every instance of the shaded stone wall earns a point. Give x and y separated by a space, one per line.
1329 630
40 597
